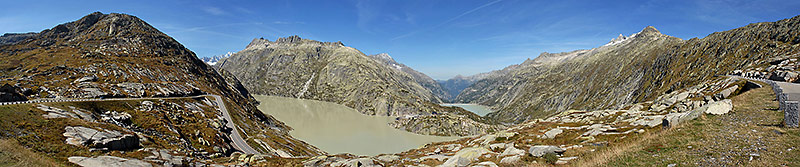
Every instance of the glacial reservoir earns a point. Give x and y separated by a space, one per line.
337 128
474 108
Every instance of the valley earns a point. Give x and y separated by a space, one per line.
113 90
338 129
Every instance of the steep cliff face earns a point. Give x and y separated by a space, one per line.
628 70
419 77
329 71
119 55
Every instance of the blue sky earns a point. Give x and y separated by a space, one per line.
439 38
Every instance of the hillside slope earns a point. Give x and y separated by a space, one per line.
628 70
121 56
327 71
418 77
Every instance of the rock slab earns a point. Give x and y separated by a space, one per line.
541 150
106 139
108 161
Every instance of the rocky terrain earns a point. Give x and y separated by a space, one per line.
330 71
418 77
568 136
121 56
633 69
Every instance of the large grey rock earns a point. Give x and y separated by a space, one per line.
167 159
388 158
650 121
91 93
108 161
465 156
512 151
86 79
438 157
597 129
133 89
486 164
719 107
112 140
673 119
725 93
552 133
541 150
511 159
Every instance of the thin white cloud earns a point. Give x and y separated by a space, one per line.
447 21
365 14
214 10
288 22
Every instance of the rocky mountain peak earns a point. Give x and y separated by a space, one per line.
290 39
649 31
617 40
98 24
384 57
258 42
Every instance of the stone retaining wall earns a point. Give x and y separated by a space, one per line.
791 109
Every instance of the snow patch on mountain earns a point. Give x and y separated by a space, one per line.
215 59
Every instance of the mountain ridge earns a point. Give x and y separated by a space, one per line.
649 63
121 56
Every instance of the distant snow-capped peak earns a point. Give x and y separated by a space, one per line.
215 59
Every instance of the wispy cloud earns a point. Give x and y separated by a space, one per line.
214 10
288 22
366 13
447 21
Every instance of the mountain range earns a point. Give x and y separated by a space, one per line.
627 70
113 88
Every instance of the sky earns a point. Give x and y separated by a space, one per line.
439 38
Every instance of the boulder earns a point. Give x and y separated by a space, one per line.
108 161
673 119
465 156
725 93
438 157
167 159
637 107
388 158
118 118
495 146
541 150
91 93
597 129
650 121
86 79
486 164
552 133
105 139
719 107
511 159
512 151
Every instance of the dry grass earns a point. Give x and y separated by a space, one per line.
13 154
607 154
726 140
